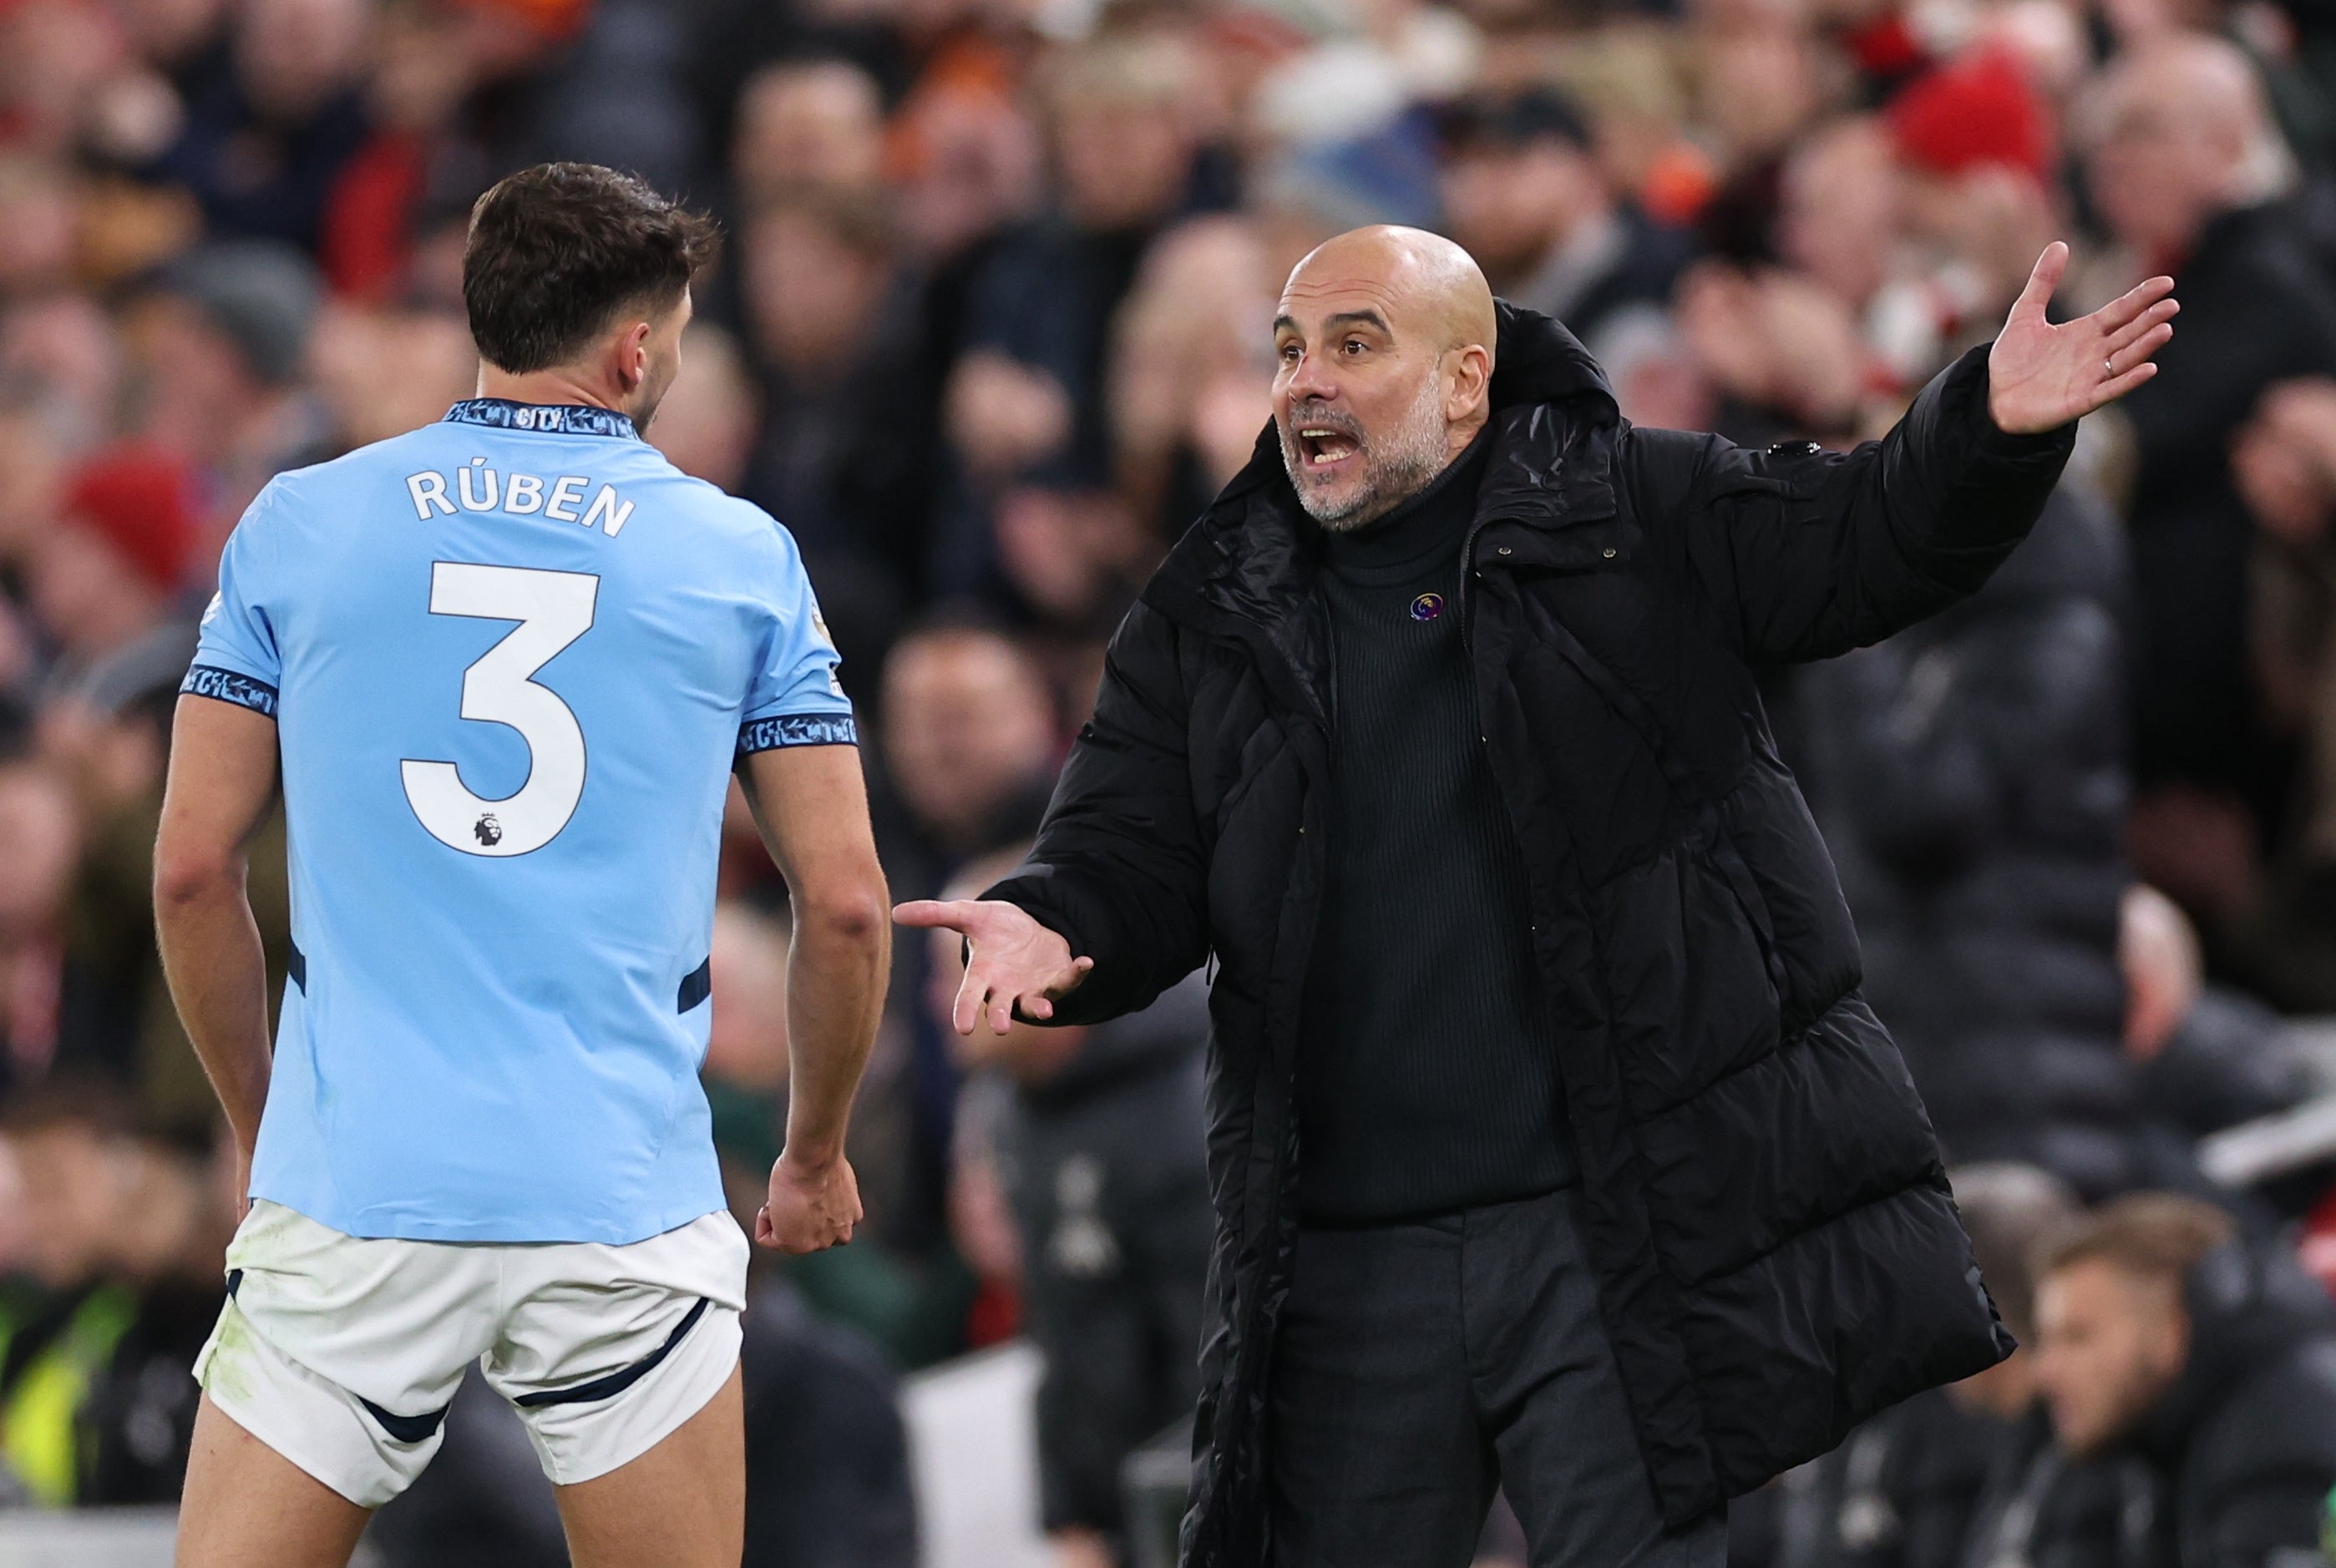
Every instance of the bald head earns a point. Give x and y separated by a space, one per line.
2179 131
1384 345
1425 278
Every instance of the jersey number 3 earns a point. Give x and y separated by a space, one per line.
553 609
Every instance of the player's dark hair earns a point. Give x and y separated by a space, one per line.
555 252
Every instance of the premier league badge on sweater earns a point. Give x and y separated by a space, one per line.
1427 607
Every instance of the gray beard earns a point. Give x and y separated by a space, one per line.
1413 453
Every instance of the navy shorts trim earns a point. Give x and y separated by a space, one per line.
230 686
617 1382
798 730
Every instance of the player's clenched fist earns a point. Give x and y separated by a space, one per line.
809 1208
1014 961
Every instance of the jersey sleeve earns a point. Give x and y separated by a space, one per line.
236 656
796 699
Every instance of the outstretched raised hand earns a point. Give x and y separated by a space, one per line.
2040 375
1015 961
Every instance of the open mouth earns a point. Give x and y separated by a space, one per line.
1324 447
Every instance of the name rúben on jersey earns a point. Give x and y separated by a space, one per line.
477 487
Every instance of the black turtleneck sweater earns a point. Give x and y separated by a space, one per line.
1428 1077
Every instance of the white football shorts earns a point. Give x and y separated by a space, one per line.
342 1352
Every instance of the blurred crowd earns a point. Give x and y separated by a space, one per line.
992 325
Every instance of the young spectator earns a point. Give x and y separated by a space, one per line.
1099 1147
2160 1335
2039 1506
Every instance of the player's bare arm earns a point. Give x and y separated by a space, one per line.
222 784
811 803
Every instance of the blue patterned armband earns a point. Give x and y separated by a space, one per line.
798 730
230 686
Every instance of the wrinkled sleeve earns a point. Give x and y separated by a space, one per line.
1119 868
237 658
1804 554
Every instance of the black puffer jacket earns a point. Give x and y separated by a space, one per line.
1777 1254
1970 777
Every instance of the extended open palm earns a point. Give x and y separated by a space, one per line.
2041 374
1015 961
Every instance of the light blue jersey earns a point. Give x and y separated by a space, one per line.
511 657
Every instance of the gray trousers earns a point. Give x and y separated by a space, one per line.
1422 1365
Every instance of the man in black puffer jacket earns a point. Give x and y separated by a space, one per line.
1969 775
1550 1141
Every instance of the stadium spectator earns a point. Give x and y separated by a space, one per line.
814 124
707 425
40 847
2183 164
1969 776
2160 1335
968 747
1099 1150
271 122
1037 325
2279 926
2210 1057
112 572
1904 1490
847 453
123 1231
1525 193
222 342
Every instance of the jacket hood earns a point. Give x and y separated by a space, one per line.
2249 1307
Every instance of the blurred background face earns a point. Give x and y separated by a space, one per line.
70 1181
1508 206
813 294
197 385
747 1042
967 727
293 54
1839 220
2171 130
819 125
1122 164
39 842
706 426
2109 1344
